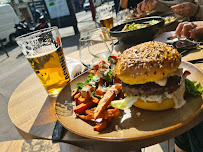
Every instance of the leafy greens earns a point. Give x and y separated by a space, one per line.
192 88
89 78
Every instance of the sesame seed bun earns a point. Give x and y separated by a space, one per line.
167 103
147 62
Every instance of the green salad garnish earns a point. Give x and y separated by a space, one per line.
96 95
134 26
152 22
108 75
192 88
89 78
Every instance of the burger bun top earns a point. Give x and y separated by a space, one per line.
147 62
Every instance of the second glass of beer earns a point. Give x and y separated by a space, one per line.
105 14
43 49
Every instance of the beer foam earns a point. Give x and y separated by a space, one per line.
106 18
35 46
44 50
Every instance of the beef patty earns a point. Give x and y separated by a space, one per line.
151 88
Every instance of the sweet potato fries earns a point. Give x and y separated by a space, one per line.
94 95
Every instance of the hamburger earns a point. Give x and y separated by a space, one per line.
150 72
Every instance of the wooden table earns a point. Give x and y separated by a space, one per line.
32 112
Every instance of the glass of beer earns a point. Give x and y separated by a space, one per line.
43 49
105 14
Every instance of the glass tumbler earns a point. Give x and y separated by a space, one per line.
43 49
100 43
85 56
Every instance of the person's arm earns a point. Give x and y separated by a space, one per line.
149 5
199 15
170 3
186 9
123 4
164 6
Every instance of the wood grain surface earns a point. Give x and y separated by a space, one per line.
32 112
26 102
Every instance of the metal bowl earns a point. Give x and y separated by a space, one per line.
137 36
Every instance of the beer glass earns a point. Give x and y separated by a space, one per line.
43 49
105 14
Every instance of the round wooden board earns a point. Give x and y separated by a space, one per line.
148 124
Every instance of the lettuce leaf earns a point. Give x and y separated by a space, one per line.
192 88
153 22
124 103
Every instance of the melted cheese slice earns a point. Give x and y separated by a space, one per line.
162 82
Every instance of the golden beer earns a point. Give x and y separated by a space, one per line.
107 22
43 49
51 69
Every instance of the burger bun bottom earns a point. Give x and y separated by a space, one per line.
167 103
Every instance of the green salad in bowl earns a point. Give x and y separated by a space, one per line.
134 26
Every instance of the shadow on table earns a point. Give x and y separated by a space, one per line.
70 41
4 58
39 145
9 47
20 55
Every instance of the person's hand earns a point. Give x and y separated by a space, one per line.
146 5
186 9
193 30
